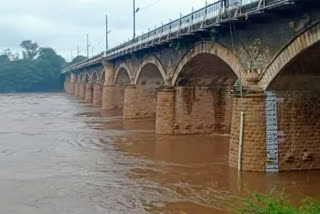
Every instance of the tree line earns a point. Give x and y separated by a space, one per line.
38 70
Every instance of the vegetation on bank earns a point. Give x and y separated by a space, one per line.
271 204
39 69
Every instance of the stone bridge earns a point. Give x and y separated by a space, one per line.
261 58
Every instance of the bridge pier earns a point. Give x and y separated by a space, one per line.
254 129
97 94
79 89
298 125
112 97
88 92
65 87
281 131
195 110
76 89
72 84
165 111
139 101
71 88
82 90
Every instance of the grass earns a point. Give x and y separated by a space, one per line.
271 204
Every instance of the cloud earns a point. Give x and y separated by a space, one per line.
63 24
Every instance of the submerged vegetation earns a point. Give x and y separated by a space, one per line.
39 69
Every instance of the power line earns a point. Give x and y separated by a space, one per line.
150 5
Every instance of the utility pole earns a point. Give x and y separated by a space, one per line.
107 34
71 55
92 50
88 45
78 50
134 18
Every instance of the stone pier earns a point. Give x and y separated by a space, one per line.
196 110
97 94
82 90
89 93
165 111
139 102
112 97
76 89
254 137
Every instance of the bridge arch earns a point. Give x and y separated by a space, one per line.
95 77
102 77
289 54
152 69
122 75
292 80
214 50
86 77
68 78
80 78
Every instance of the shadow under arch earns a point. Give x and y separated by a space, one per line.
217 52
292 80
122 75
289 53
151 72
95 77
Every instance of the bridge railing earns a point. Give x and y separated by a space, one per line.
206 17
185 24
86 62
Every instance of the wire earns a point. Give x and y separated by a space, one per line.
150 5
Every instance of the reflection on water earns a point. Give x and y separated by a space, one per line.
60 155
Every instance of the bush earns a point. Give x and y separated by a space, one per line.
270 204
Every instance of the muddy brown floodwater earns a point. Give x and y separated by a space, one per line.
61 156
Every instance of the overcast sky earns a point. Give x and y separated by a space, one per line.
63 24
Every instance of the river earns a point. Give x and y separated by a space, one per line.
59 155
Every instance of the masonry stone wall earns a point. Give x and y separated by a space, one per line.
196 110
71 88
65 87
254 133
88 92
299 130
79 89
201 110
140 102
112 97
97 94
82 90
76 89
165 111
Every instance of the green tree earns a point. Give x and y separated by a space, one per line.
78 59
39 70
4 59
30 49
11 56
